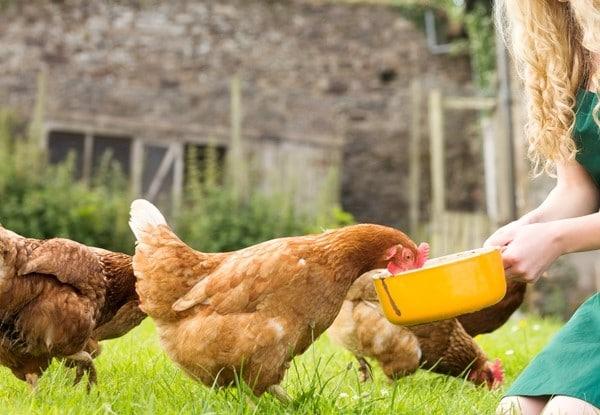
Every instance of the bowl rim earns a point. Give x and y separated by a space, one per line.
442 261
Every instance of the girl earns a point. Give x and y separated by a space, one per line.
556 45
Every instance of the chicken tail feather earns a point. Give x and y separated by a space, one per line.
164 266
144 214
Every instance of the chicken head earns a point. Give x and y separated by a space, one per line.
490 374
403 258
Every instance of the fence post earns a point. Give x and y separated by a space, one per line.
237 170
137 166
436 144
414 157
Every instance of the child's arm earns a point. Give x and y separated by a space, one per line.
535 246
563 223
575 194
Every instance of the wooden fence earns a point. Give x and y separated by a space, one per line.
453 231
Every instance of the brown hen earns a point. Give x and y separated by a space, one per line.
442 347
58 298
493 317
248 313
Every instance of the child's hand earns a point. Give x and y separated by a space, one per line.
504 235
531 250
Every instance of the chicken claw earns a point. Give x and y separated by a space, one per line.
84 363
365 369
280 393
32 380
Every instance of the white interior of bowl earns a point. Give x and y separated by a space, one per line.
440 261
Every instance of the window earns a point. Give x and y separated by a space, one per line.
89 151
119 149
61 144
159 174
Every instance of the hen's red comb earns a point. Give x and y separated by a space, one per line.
497 372
422 254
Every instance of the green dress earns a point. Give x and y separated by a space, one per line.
570 363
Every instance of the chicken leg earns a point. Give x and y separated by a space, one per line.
280 393
32 380
84 363
364 368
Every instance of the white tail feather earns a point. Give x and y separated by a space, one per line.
142 215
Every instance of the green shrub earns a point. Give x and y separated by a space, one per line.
214 217
40 200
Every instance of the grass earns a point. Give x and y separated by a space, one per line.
135 377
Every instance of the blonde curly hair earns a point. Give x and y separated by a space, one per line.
552 42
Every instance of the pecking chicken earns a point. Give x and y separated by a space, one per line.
249 312
493 317
442 347
58 298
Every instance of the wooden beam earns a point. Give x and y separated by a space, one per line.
178 174
137 166
489 166
161 173
470 103
88 160
436 144
414 157
157 130
504 137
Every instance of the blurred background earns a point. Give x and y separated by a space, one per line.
251 119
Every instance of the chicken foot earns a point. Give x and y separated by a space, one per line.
364 368
280 393
84 363
32 380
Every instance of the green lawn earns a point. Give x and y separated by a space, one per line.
136 377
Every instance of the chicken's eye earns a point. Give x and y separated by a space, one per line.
408 256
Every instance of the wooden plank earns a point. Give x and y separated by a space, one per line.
469 103
178 174
414 157
137 166
436 148
193 133
161 173
507 206
88 148
490 167
237 167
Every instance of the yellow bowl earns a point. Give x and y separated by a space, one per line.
445 287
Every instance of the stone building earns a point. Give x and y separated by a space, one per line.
324 86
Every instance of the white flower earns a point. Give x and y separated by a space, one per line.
343 395
384 392
509 352
536 327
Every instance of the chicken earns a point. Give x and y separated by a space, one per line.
249 312
58 298
493 317
443 347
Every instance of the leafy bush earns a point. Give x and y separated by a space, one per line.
214 217
40 200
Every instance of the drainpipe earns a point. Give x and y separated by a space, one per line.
432 36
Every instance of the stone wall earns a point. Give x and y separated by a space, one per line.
313 74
